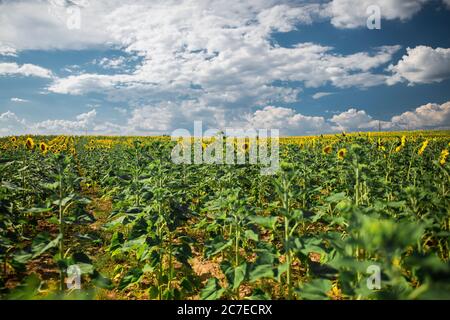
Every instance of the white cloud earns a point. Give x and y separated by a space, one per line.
84 83
28 70
221 54
82 123
287 120
11 124
29 25
206 60
430 115
6 50
113 63
353 119
319 95
195 53
19 100
290 122
422 64
352 13
166 117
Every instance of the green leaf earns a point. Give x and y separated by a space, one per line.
266 222
337 197
38 210
239 275
217 245
153 292
261 271
133 276
27 290
316 289
101 281
212 290
282 268
39 247
251 235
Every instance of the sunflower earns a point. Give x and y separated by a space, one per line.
444 156
423 147
401 144
29 144
245 147
13 139
380 145
341 153
43 147
335 293
327 149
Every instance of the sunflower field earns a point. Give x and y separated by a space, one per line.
347 216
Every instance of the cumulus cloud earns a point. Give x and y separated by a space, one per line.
28 70
287 120
220 53
6 50
12 124
165 117
82 122
290 122
353 13
43 25
209 60
431 115
422 64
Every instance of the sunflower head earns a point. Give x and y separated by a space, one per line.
43 147
245 147
327 149
403 141
29 143
423 147
380 145
13 139
443 157
342 153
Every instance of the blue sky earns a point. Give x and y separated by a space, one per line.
140 67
